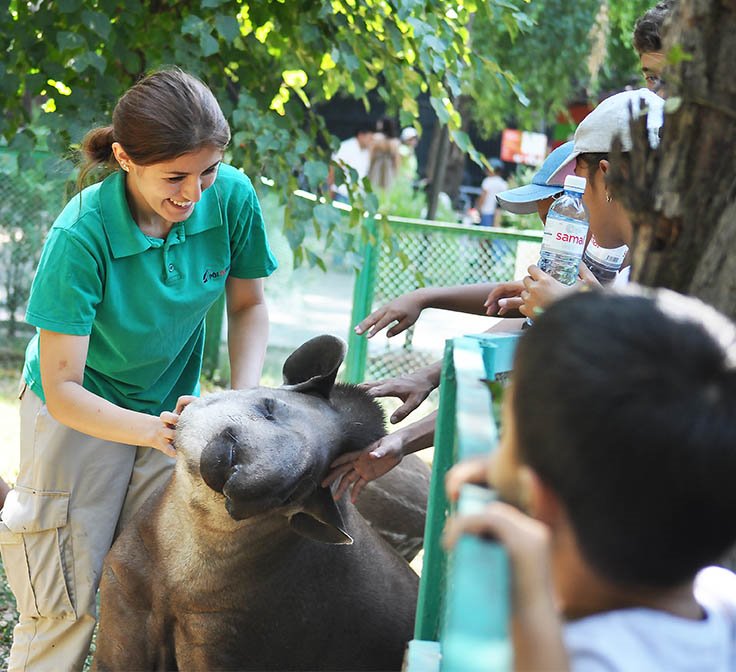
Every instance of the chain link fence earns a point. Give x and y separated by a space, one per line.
30 199
408 254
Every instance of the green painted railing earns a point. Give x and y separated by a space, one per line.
463 607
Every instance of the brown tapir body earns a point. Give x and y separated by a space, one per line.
243 562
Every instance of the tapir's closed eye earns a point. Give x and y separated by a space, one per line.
269 405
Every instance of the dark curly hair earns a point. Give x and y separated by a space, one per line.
648 27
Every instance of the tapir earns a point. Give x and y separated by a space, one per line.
243 561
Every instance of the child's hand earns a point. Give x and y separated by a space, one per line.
404 310
540 291
473 470
503 300
355 470
525 539
412 388
536 628
586 277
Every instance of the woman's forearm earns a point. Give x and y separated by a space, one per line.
72 405
247 339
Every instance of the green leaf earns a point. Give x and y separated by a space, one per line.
212 3
461 139
89 59
295 237
193 25
316 173
69 41
208 44
672 104
23 142
97 22
228 27
315 260
677 54
327 214
69 6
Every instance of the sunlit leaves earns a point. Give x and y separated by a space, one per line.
271 63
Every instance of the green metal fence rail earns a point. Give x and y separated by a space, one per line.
408 254
462 611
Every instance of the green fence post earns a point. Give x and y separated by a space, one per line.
432 585
212 337
362 302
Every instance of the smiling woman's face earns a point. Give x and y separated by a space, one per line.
166 192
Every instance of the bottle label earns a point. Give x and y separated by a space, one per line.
612 258
564 236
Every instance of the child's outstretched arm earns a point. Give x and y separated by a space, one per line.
536 630
405 309
412 388
356 469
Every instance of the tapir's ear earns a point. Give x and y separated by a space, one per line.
312 367
321 520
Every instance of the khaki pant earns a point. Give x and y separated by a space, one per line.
73 493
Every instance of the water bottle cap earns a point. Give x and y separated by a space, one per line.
575 183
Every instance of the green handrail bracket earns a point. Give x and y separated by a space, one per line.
365 281
463 606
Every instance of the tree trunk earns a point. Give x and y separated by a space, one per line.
682 197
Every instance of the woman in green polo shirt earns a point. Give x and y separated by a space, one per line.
126 277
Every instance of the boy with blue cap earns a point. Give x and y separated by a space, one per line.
543 189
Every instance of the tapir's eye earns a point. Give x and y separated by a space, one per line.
268 407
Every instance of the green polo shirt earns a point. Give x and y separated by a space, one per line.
142 301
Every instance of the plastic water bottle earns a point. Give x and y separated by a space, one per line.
564 233
604 263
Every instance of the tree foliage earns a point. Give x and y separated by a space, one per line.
270 62
531 62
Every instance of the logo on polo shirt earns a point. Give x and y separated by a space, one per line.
209 274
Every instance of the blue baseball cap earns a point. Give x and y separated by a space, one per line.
523 200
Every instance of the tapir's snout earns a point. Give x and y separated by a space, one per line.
252 478
218 459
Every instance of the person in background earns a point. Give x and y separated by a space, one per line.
647 41
385 158
610 223
492 184
127 275
615 474
355 153
408 166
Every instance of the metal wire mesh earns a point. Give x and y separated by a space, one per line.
30 199
414 256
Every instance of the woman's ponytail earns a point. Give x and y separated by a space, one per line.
96 151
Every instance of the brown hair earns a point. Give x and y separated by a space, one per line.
592 161
166 114
648 27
